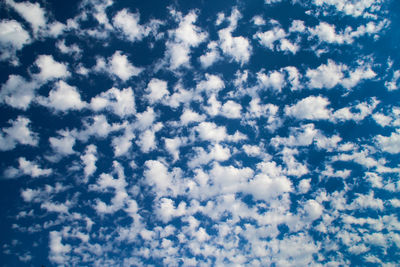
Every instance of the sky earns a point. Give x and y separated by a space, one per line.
199 133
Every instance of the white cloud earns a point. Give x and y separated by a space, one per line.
390 144
157 90
382 119
183 38
50 69
63 98
19 132
123 143
211 132
63 145
212 83
212 56
120 102
147 140
27 167
231 109
268 38
89 161
299 136
32 13
237 47
363 109
274 80
128 23
12 38
327 33
59 253
18 92
392 84
325 76
172 145
121 67
216 152
304 186
310 108
189 116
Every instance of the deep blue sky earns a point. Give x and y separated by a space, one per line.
194 133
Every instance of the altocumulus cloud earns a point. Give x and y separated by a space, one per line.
194 134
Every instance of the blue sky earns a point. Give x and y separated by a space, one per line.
192 133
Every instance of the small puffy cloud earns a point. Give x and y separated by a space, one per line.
357 112
27 167
209 131
63 145
12 38
327 33
183 38
231 109
237 47
18 133
89 161
18 92
268 38
310 108
211 56
32 13
147 139
390 144
172 145
393 83
216 152
325 76
299 136
59 253
297 26
50 69
212 83
382 119
128 24
63 98
120 102
118 65
121 67
258 20
189 116
274 79
304 186
123 143
157 90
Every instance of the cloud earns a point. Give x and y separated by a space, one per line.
13 37
325 76
18 133
63 98
182 39
89 161
189 116
310 108
64 144
118 65
209 131
157 90
59 253
236 47
50 69
120 102
274 80
26 167
17 92
128 24
390 144
32 13
211 56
